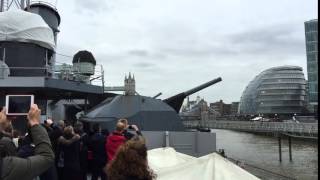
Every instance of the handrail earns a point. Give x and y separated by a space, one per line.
300 128
27 68
97 78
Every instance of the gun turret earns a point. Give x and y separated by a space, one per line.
176 101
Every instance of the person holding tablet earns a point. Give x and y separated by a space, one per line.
13 168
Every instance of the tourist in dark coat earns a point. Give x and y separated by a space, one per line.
84 143
57 132
48 126
26 148
97 146
51 173
69 145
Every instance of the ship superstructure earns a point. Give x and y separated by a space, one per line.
28 40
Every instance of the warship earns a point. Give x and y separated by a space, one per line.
29 65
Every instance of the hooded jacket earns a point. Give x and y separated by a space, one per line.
14 168
114 141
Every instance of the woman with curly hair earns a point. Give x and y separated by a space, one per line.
130 162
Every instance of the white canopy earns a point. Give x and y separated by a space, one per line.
171 165
22 26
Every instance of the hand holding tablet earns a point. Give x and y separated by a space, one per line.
34 115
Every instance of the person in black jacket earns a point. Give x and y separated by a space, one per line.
69 145
57 132
26 148
97 146
48 125
84 143
130 162
51 173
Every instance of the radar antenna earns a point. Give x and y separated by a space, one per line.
5 5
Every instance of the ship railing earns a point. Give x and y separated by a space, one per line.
98 77
301 128
47 70
65 71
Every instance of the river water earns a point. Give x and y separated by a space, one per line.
263 152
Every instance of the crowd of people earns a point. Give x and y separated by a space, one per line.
56 151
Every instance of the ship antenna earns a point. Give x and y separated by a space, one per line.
5 5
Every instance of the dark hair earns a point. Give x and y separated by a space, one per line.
105 132
131 161
96 127
16 133
78 127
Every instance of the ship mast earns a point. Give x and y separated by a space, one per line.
5 5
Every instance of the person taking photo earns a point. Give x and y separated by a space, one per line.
12 167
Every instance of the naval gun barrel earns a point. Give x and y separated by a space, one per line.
176 101
159 94
202 86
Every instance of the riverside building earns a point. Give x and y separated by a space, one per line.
278 91
311 35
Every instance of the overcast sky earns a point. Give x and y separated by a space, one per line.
174 45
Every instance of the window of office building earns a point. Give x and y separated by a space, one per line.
312 46
313 87
311 37
312 66
311 57
311 27
312 77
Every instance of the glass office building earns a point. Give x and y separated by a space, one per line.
278 90
311 35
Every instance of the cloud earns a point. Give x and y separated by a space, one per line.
145 65
91 6
172 46
278 39
138 52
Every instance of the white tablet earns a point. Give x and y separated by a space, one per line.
19 104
